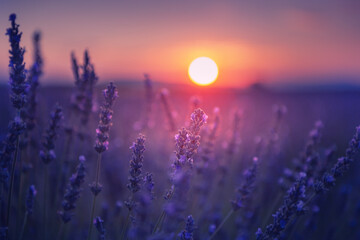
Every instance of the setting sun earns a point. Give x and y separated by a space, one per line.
203 71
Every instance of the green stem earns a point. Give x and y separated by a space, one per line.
221 224
23 226
94 198
12 182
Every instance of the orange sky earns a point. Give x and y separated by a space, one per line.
248 40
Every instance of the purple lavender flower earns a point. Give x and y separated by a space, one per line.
99 224
89 78
47 154
33 81
149 185
18 82
187 234
136 164
15 129
73 191
292 205
246 187
187 142
341 166
30 199
102 132
18 88
164 95
234 141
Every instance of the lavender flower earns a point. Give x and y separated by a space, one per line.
15 129
233 143
79 94
102 132
341 166
147 122
33 81
248 184
30 199
187 234
149 185
47 154
89 78
18 82
188 141
292 205
181 142
164 95
136 164
99 224
73 191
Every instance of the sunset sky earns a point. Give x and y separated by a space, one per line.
275 41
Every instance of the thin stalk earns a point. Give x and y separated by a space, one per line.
45 200
158 221
94 198
12 182
125 226
23 226
221 224
20 193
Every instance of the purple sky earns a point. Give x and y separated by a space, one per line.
249 40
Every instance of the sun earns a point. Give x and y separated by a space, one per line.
203 71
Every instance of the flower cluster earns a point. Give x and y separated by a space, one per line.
33 80
73 191
341 166
89 78
82 98
99 224
48 154
30 199
188 141
102 132
18 82
164 95
187 234
15 128
247 186
293 205
149 184
136 164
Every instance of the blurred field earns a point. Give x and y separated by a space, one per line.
339 209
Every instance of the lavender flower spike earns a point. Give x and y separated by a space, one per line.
198 119
30 199
99 224
15 128
73 191
18 82
247 186
48 154
33 80
187 234
136 164
102 132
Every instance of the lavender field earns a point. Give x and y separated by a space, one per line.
161 161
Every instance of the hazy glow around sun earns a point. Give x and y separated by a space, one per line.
203 71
